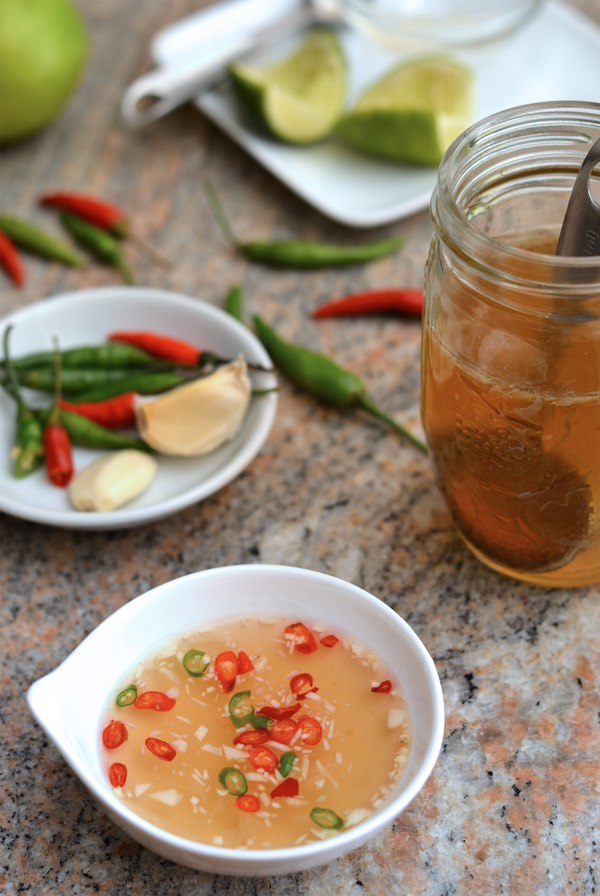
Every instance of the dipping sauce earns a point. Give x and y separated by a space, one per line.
256 733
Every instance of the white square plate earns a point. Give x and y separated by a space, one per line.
555 56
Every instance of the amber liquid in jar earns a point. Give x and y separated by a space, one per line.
512 417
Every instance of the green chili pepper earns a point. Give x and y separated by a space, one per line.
323 378
299 253
261 721
233 303
326 818
28 450
240 709
88 434
194 663
111 355
233 781
39 242
73 380
101 243
141 383
286 763
127 696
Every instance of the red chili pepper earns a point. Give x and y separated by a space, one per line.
57 444
227 669
263 759
112 413
10 260
375 301
164 347
289 787
161 748
301 685
302 638
330 641
155 700
383 688
114 735
283 730
245 664
279 712
252 738
117 774
102 214
96 211
311 731
247 802
59 457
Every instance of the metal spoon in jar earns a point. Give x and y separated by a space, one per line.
580 232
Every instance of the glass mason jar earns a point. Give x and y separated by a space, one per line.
511 347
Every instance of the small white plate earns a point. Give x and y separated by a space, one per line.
86 318
555 56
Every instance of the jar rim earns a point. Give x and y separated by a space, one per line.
575 124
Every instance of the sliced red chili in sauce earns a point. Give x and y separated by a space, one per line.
283 730
263 759
117 774
311 731
227 668
279 712
248 802
161 748
156 700
330 641
114 735
301 685
302 639
383 688
289 787
252 738
245 664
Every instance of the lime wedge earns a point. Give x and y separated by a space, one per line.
414 113
300 98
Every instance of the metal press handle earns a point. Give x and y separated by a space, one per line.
158 92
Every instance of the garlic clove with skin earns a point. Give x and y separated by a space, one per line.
199 416
112 480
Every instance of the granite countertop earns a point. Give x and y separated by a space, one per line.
513 805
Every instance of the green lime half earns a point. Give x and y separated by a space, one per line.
300 98
414 113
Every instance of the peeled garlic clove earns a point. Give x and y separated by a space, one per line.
112 480
198 417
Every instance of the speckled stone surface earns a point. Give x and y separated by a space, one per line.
513 806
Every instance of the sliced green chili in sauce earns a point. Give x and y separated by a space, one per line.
240 709
286 763
258 721
326 818
233 781
195 662
127 696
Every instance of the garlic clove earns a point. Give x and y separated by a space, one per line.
112 480
198 417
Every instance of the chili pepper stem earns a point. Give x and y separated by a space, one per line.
125 273
219 212
367 403
149 252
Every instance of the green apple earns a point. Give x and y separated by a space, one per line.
43 51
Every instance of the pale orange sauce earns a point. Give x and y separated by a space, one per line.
351 770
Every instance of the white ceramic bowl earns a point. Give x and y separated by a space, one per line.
185 603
